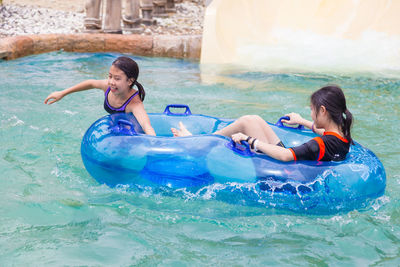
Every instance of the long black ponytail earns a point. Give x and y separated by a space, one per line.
332 97
142 93
131 70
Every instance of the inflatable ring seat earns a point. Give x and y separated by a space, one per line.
116 152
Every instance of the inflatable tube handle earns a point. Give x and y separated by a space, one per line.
280 124
243 149
125 122
121 129
186 113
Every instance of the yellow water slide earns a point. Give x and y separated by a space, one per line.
310 35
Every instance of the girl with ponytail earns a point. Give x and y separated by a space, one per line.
331 119
119 90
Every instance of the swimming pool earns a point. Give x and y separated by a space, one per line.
54 213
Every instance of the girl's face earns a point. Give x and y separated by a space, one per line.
313 113
316 116
319 116
118 81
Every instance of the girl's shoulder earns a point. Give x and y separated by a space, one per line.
134 102
135 98
335 137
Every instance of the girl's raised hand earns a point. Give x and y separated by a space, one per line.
294 118
57 95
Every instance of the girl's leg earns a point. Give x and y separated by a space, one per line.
182 131
251 125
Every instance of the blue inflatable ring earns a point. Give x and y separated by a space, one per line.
116 152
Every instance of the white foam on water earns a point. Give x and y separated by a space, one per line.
380 202
68 112
15 121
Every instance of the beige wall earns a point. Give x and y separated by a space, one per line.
238 31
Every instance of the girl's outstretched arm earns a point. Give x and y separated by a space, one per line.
137 108
85 85
298 119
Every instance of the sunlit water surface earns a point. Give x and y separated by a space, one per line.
53 213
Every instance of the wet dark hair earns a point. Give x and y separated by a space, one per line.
131 70
333 99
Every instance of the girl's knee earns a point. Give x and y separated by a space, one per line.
249 121
242 119
249 118
257 118
253 119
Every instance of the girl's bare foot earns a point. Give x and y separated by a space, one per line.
181 132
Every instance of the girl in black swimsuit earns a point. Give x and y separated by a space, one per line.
120 96
331 119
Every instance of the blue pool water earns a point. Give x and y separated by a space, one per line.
53 213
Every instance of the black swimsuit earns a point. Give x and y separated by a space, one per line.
113 110
329 147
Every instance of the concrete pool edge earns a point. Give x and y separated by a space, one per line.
185 46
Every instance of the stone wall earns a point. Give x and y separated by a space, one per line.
141 45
